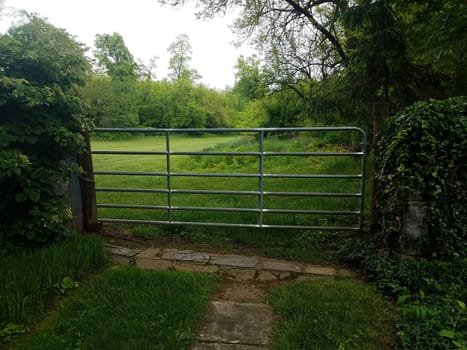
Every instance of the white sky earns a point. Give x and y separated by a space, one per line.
148 29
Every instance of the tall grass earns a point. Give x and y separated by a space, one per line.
229 164
326 314
126 308
29 279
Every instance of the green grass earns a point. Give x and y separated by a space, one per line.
327 314
28 280
227 164
126 308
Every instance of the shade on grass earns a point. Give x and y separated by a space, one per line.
328 314
126 308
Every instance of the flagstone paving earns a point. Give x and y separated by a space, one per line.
238 318
234 266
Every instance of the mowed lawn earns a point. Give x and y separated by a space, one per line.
223 164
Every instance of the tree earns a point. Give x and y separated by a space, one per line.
41 117
180 58
249 79
435 32
148 71
114 58
113 103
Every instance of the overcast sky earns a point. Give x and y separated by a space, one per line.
148 29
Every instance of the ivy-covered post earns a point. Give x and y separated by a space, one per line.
422 172
88 188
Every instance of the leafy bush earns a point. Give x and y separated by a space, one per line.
41 117
423 158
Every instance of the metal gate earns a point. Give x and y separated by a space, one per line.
263 196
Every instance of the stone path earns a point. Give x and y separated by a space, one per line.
230 324
238 267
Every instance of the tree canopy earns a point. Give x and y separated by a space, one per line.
114 58
180 57
390 50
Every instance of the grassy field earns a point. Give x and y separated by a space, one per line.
228 165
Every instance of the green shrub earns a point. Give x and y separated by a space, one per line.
423 158
41 117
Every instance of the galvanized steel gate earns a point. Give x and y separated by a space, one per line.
261 154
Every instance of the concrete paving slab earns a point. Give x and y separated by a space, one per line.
320 270
121 260
266 276
194 267
195 258
240 274
237 323
149 253
168 254
235 261
221 346
284 266
153 264
122 251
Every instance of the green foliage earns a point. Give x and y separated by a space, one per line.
127 308
29 279
41 117
323 314
10 330
430 294
114 57
423 158
180 57
435 36
66 284
249 78
113 103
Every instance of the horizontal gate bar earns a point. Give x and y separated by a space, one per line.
289 194
249 210
280 176
221 224
186 153
230 130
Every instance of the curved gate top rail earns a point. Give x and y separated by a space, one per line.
261 154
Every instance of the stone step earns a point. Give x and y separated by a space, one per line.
235 326
240 268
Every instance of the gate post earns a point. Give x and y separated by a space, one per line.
88 188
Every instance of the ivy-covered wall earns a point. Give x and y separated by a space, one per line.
41 117
423 167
